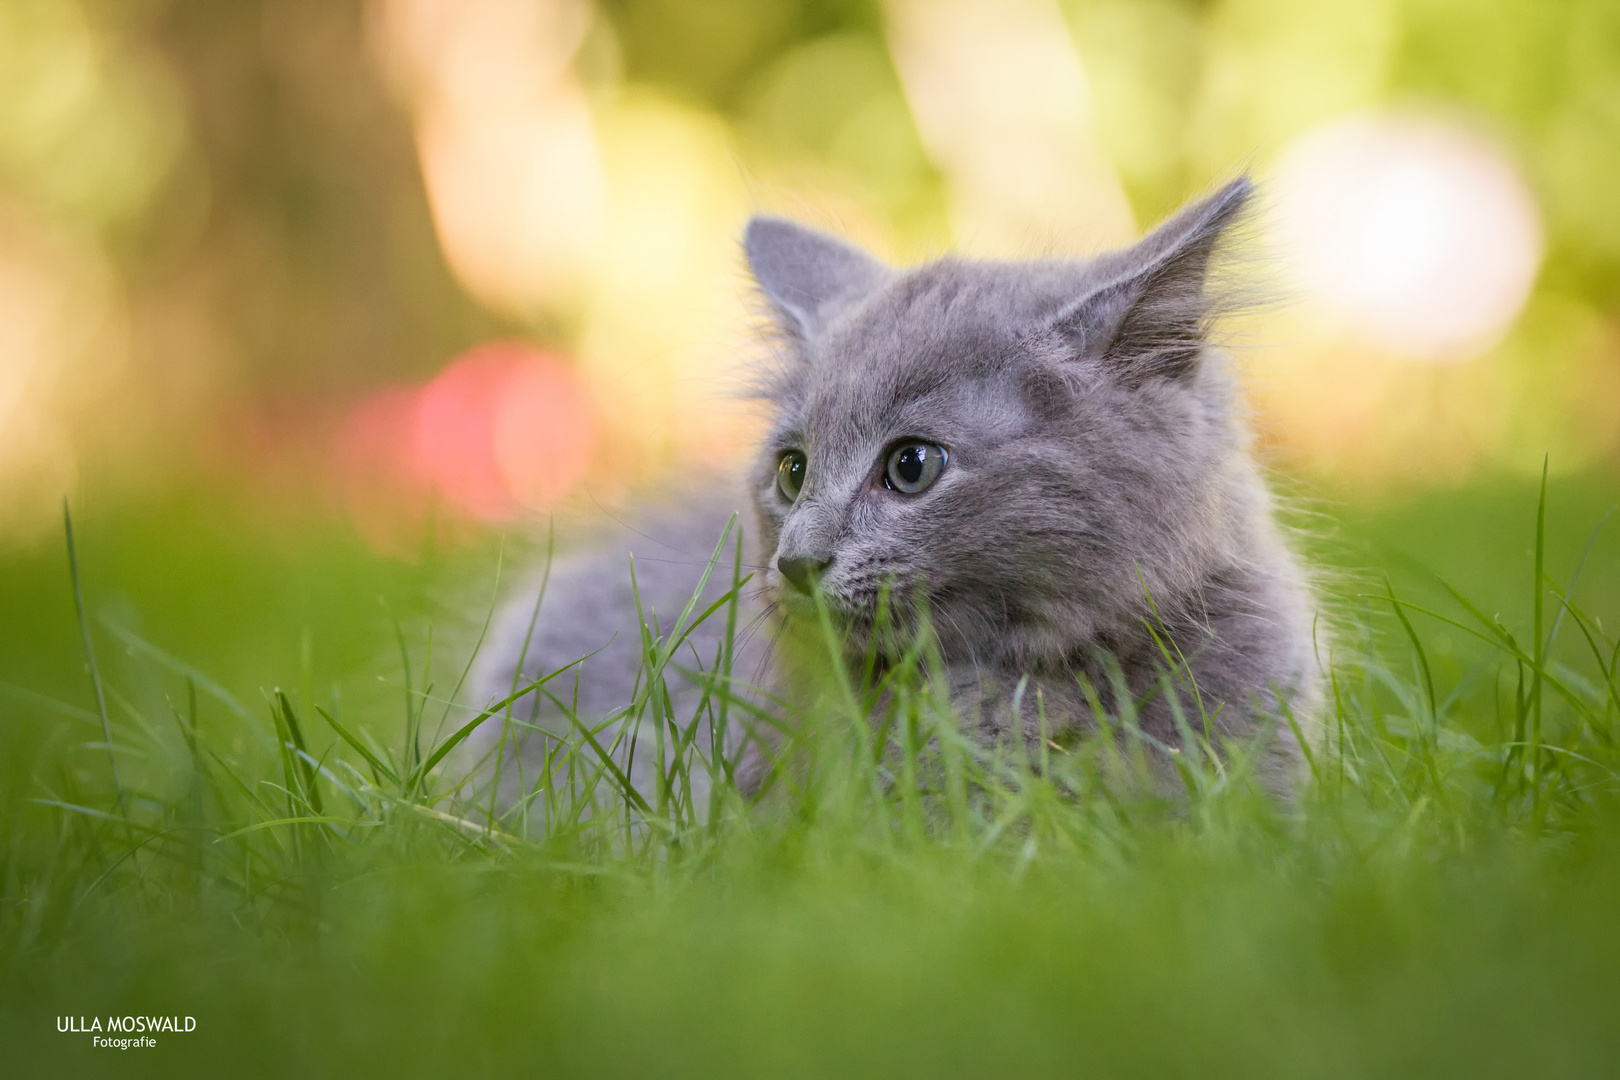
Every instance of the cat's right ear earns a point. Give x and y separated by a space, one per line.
807 275
1149 317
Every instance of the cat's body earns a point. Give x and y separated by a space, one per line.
1049 458
582 606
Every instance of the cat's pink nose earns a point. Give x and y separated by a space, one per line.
802 571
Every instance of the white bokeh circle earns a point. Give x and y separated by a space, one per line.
1417 234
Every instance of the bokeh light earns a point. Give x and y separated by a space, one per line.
1416 233
506 429
1004 106
506 141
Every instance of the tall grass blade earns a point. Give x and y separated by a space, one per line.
90 656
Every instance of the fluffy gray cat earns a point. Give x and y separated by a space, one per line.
1048 457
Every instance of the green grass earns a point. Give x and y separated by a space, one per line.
294 853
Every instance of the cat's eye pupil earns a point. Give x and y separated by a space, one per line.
912 467
790 474
908 465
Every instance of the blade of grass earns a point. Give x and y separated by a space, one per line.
472 725
277 822
343 733
90 655
307 774
1536 673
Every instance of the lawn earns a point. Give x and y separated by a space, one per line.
1440 901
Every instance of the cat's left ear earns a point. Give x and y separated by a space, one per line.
1149 317
807 275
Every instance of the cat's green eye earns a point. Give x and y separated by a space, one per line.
913 467
790 474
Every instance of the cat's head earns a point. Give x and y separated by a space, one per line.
1034 447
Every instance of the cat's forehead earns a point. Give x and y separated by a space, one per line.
930 310
932 334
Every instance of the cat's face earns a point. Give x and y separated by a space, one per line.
1023 447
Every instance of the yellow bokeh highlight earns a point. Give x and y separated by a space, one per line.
65 384
507 146
1005 109
666 331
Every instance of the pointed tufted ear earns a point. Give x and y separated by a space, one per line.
807 275
1150 317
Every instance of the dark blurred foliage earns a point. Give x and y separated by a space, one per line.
298 226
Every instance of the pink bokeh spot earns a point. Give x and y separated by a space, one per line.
453 441
505 428
544 432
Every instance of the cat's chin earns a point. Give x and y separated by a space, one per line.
799 606
853 619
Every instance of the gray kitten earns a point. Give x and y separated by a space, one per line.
1045 456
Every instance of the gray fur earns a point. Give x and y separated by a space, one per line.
1096 460
582 604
